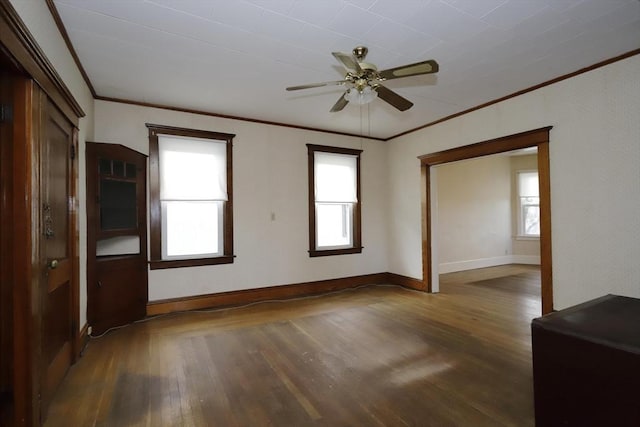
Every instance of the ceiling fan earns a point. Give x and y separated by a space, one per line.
364 80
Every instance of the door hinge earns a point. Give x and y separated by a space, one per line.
6 113
73 151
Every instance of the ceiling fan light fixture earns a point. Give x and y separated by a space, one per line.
361 96
363 80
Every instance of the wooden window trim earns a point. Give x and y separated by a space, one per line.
156 262
357 211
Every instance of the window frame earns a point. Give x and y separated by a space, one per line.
356 246
521 217
155 208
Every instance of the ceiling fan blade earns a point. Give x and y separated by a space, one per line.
338 106
393 98
348 61
425 67
312 85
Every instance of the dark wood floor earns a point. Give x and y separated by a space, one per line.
376 356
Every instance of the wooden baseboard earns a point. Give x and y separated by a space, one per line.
235 298
406 282
83 339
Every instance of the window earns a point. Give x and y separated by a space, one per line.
334 201
190 197
528 204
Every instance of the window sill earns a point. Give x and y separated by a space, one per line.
329 252
160 264
528 238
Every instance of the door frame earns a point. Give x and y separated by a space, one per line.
10 75
534 138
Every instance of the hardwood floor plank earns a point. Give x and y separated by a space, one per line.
375 356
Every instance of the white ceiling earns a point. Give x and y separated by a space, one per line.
235 57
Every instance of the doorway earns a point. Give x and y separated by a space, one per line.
536 138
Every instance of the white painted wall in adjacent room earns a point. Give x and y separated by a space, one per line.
595 178
474 213
270 176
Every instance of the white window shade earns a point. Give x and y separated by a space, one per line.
192 168
528 184
335 178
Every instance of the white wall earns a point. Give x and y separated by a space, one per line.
595 178
474 213
38 19
270 175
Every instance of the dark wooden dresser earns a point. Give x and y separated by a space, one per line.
586 364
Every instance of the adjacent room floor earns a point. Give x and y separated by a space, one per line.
373 356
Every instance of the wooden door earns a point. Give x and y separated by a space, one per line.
57 232
117 288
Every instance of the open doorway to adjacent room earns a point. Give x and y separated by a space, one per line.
492 231
488 215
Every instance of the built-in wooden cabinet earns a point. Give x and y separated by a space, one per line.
117 290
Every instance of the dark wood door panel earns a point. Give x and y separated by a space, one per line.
55 228
56 158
